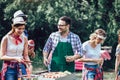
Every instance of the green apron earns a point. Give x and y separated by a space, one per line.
58 62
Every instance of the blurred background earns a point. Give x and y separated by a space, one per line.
43 15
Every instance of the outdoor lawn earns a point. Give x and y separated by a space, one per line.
107 75
38 67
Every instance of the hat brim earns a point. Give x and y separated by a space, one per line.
20 23
22 15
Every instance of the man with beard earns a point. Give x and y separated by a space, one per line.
62 47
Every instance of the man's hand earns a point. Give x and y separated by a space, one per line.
46 61
70 58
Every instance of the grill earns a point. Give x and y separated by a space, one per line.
54 76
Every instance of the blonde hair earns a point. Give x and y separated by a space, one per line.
118 32
101 32
93 36
96 33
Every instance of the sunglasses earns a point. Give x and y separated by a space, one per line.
61 25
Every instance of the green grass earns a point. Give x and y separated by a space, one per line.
107 75
39 66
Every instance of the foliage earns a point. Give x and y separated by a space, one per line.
43 15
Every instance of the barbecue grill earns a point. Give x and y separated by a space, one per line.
40 76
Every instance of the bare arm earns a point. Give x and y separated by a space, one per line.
47 48
25 52
98 61
4 50
45 58
31 53
76 56
117 63
72 58
88 60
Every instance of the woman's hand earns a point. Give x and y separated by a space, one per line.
19 59
100 61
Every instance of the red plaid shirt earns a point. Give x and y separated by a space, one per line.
4 68
98 75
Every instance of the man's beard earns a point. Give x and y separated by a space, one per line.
63 32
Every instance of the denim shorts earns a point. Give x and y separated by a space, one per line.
118 73
12 73
91 73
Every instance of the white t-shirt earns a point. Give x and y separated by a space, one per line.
90 52
117 50
63 39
